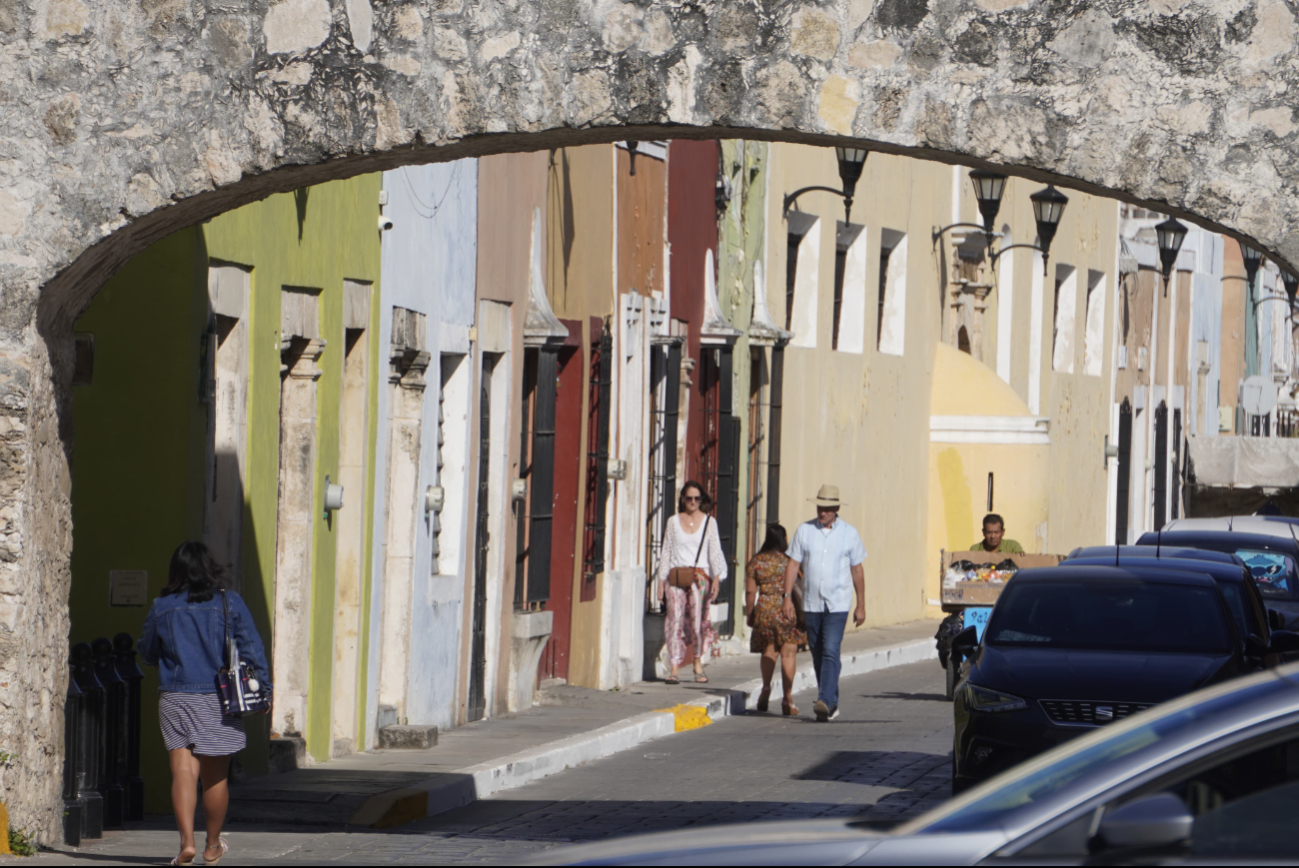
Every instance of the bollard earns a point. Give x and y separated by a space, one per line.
111 759
71 805
130 672
89 714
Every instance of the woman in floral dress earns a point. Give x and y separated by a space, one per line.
774 636
691 541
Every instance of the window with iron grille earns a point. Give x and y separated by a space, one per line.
597 461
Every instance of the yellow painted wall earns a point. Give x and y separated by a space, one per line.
958 472
861 421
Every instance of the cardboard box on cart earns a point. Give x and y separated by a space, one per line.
958 593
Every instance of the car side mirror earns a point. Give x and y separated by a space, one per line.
1275 620
1284 642
966 641
1159 820
1254 646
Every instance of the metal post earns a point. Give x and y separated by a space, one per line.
110 739
130 672
89 718
71 752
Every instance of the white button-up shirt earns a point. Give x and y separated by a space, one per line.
827 555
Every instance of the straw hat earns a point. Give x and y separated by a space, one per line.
828 496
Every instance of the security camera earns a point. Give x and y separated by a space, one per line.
384 223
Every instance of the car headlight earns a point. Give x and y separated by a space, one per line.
992 701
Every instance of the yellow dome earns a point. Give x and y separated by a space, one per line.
964 386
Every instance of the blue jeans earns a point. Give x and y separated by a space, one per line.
824 636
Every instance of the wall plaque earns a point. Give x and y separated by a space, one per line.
128 587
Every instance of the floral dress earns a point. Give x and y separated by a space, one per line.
770 626
688 625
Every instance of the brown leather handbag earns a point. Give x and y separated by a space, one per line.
684 577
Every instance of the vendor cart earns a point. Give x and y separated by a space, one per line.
970 583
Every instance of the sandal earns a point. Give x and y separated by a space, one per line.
175 860
764 700
225 847
701 678
672 679
787 708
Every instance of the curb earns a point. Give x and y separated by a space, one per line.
485 779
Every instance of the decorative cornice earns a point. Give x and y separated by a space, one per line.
716 328
540 325
304 366
763 331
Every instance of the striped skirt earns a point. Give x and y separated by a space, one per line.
195 720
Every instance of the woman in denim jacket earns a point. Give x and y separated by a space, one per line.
184 636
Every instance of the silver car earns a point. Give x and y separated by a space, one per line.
1210 777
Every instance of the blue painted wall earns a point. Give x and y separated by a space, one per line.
429 266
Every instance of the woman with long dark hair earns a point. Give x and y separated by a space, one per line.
774 635
690 571
185 637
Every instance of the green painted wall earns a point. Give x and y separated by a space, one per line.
137 470
740 246
313 238
139 443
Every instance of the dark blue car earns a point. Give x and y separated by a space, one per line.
1070 648
1273 561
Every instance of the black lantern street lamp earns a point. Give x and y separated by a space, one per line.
1170 235
1048 208
988 188
851 163
1291 282
1253 259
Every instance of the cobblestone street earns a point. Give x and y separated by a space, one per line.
886 757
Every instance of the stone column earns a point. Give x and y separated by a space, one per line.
406 404
293 536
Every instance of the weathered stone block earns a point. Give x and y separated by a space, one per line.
288 753
408 737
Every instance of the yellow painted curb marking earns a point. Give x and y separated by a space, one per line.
688 716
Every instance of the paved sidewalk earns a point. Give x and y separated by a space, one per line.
570 726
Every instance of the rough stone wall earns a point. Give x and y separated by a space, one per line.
121 122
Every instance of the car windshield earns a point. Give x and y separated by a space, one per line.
1107 751
1110 616
1274 572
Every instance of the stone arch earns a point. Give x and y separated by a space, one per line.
125 122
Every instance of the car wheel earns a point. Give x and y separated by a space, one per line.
952 668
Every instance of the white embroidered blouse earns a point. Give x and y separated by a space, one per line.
679 550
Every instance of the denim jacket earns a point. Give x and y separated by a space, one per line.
187 641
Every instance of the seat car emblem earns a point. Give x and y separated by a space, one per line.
1104 712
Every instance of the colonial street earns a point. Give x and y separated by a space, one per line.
886 757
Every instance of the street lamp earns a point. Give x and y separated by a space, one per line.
1048 208
1291 282
1170 235
851 163
988 188
1253 259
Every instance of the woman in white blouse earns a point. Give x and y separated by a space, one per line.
692 552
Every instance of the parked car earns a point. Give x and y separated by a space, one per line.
1208 777
1073 647
1268 548
1234 579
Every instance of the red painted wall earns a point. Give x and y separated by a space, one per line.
692 231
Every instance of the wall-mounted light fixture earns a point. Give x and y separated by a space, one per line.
435 498
989 187
333 496
519 490
1170 234
852 161
617 469
1253 259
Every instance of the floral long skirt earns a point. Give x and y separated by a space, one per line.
688 625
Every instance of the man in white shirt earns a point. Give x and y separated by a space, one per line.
830 553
